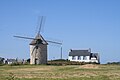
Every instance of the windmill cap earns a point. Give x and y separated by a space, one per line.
38 36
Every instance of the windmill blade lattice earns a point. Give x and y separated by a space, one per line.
24 37
54 42
41 23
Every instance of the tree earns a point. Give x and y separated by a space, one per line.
1 60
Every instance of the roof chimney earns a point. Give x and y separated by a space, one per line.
71 50
89 50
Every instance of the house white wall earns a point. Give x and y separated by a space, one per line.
10 62
82 60
87 58
94 60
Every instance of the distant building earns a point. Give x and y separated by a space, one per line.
10 61
83 56
20 61
38 50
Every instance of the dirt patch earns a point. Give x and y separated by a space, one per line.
90 66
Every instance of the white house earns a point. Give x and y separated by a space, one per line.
10 61
83 56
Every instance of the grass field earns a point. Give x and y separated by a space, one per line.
69 72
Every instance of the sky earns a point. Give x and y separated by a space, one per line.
79 24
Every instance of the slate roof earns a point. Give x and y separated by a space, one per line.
79 53
11 60
38 36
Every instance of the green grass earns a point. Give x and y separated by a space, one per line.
69 72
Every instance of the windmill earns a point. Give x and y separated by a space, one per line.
38 47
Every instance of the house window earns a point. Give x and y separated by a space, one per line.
84 57
73 57
79 57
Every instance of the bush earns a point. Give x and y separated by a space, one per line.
113 63
65 63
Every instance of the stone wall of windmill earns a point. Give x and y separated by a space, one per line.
38 56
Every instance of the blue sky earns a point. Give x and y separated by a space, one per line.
80 24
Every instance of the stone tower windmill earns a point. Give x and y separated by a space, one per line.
38 50
38 47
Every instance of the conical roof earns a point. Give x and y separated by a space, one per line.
38 37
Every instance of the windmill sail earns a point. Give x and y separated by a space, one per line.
41 24
24 37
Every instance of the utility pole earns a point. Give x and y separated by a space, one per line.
61 51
